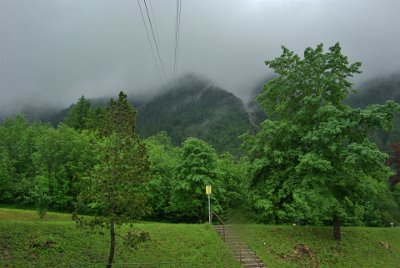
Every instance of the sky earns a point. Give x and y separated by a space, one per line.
53 51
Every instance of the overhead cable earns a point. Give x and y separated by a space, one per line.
150 43
177 32
155 40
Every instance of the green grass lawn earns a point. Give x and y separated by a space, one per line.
27 241
360 246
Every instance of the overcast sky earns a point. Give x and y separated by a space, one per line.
53 51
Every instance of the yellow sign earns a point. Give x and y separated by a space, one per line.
208 189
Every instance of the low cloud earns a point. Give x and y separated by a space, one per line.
51 52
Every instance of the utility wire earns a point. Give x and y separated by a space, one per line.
177 31
148 38
155 40
154 19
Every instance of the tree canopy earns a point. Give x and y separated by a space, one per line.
312 159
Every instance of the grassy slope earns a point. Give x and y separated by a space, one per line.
360 246
23 244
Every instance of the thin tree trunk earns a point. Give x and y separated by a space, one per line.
201 212
336 228
112 245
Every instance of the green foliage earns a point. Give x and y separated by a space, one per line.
83 116
26 241
394 162
312 158
41 196
196 168
6 176
114 189
62 156
163 157
77 115
16 139
280 246
41 166
377 91
196 108
234 192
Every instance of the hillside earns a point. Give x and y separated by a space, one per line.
378 91
192 107
307 246
196 108
26 241
55 241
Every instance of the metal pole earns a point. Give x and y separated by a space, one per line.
209 209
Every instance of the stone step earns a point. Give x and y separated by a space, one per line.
249 260
252 265
233 239
244 253
222 228
239 249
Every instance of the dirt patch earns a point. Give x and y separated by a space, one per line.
5 254
386 246
300 250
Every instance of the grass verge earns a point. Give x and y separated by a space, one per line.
300 246
27 241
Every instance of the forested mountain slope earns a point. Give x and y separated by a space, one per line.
196 109
191 107
378 91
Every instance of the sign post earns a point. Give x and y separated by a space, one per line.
208 192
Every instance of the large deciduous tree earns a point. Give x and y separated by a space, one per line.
114 190
312 159
196 167
162 157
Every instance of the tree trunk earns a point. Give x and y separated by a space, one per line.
201 212
112 245
336 228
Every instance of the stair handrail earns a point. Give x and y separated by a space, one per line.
223 224
218 218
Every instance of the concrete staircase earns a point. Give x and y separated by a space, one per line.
241 251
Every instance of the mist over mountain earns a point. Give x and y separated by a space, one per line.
194 106
377 90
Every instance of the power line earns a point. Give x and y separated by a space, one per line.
154 19
177 28
155 40
148 38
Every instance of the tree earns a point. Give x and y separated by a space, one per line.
60 159
163 157
114 189
312 159
234 191
196 168
41 195
394 161
17 139
78 114
6 177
